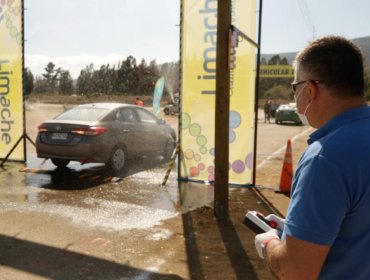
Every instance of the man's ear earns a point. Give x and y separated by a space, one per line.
313 90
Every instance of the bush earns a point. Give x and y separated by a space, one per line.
279 92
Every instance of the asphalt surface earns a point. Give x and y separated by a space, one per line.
82 223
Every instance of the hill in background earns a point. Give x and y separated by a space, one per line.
363 43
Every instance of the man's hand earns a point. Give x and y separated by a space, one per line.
261 241
278 220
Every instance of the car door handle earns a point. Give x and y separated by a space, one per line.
125 130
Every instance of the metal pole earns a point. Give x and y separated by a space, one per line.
221 203
256 98
23 90
179 128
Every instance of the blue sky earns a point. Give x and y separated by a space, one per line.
288 25
73 33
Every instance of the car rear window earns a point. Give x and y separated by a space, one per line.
146 117
83 114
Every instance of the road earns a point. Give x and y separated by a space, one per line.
83 224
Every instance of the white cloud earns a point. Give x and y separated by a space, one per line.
74 64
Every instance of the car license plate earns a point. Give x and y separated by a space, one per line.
59 136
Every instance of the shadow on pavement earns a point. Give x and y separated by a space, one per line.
224 248
201 252
61 264
239 260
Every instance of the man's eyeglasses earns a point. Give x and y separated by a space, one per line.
294 85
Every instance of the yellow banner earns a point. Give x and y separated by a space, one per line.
198 56
276 71
11 89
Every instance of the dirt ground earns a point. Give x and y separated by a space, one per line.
224 248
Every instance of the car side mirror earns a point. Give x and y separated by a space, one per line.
161 121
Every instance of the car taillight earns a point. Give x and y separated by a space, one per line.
91 131
42 128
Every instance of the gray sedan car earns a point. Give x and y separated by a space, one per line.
107 133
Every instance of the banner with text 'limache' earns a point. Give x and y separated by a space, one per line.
198 85
11 82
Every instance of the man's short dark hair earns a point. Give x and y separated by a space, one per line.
337 62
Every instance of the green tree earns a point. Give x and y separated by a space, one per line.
65 83
151 78
276 60
129 78
41 85
103 80
142 72
52 75
85 82
125 74
265 84
279 92
28 83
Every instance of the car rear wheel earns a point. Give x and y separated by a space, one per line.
170 146
117 159
61 163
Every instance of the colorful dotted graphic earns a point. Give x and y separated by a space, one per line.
7 15
195 130
249 161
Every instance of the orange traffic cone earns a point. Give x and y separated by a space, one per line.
287 171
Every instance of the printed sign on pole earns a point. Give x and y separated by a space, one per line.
11 81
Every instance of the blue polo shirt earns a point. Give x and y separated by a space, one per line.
330 197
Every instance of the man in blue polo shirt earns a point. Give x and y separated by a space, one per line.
327 228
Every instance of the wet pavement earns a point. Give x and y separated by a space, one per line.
130 223
80 188
84 223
